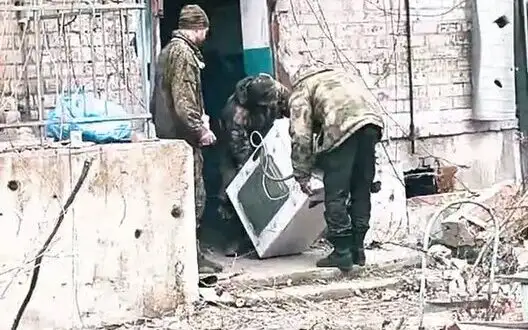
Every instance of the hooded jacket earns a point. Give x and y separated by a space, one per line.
326 107
254 106
177 103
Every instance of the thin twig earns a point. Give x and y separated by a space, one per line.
38 260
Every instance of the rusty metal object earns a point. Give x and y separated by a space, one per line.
445 179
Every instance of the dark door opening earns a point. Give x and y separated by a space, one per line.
224 67
223 51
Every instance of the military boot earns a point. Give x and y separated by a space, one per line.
357 248
231 249
340 257
206 266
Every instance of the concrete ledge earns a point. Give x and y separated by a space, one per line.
315 293
125 250
390 260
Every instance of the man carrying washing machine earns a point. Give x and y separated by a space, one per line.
335 125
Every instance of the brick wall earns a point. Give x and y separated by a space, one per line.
94 51
370 35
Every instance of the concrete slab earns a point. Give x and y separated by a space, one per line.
293 270
114 257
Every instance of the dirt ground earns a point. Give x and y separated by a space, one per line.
368 311
389 308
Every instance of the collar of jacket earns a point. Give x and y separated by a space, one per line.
305 73
177 34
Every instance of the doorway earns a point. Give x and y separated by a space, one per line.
223 50
224 66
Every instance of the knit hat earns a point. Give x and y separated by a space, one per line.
192 17
256 90
262 90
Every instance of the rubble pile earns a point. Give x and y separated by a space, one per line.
458 276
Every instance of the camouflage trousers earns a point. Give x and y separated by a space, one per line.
348 175
200 195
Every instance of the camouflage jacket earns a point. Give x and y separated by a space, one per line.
327 106
177 103
254 106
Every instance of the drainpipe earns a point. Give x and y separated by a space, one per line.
521 84
412 136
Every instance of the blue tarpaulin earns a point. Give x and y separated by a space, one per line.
86 113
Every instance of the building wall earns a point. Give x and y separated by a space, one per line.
370 36
96 50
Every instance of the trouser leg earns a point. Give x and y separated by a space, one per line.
235 233
200 195
204 265
359 207
337 167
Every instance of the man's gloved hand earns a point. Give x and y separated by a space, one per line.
207 139
304 182
206 122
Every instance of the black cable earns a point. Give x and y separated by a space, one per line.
40 254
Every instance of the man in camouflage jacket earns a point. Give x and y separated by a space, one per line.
336 122
254 106
177 105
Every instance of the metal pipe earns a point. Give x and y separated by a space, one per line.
24 53
116 74
40 96
124 59
41 123
105 69
521 85
143 50
79 9
92 51
412 136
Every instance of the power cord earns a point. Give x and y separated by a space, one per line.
265 163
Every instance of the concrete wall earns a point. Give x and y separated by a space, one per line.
121 253
370 36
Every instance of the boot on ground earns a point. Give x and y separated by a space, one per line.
358 249
231 249
339 258
206 266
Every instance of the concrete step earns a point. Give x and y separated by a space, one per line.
247 297
298 270
315 293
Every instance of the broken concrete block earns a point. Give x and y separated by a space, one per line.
439 252
457 232
472 286
459 264
211 295
451 274
457 288
389 295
